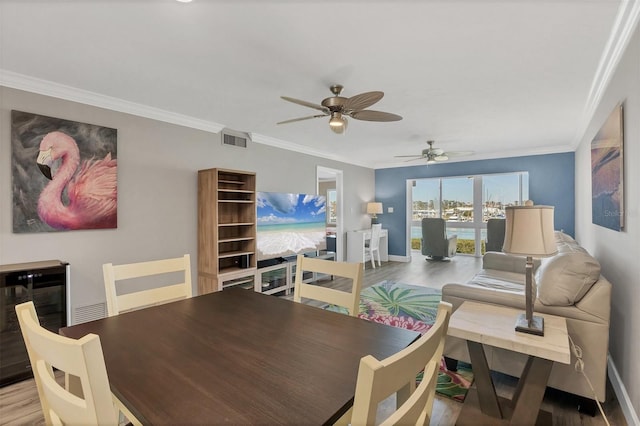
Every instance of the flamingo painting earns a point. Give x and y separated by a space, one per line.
81 194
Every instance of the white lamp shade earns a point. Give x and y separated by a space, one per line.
374 208
529 231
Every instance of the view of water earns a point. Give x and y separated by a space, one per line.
462 233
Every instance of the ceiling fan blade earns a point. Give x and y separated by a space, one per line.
362 101
307 104
407 156
436 151
293 120
369 115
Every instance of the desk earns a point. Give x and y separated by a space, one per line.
481 323
355 244
238 357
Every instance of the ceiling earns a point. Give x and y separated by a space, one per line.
500 78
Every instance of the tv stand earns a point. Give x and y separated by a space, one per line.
277 275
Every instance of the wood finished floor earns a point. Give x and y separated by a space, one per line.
19 403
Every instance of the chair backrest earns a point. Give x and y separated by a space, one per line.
118 303
346 299
434 236
80 358
374 243
377 380
495 234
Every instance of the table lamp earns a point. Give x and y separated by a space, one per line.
374 209
529 232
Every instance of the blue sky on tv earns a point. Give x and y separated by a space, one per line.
285 208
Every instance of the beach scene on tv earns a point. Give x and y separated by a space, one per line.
290 224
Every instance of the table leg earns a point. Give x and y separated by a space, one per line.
530 391
484 384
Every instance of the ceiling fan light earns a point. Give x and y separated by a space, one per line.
336 120
441 157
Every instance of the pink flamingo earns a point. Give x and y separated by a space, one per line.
91 187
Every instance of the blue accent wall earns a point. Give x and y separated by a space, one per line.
551 182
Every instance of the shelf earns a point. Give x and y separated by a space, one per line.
233 254
237 201
241 191
231 240
235 271
236 224
233 182
239 282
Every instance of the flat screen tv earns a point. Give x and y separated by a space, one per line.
290 224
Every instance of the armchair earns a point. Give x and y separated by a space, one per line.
495 234
435 243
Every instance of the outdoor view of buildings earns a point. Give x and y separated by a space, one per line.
459 201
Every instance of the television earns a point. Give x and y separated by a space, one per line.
289 224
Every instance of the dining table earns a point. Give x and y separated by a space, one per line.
237 357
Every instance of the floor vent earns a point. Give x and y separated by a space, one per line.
89 313
235 139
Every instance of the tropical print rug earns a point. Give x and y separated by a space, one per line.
414 308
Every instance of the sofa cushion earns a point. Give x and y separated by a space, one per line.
566 277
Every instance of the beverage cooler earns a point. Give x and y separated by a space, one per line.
46 284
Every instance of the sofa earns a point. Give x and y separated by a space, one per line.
569 284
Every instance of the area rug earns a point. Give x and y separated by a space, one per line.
414 308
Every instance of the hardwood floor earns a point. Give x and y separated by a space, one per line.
19 403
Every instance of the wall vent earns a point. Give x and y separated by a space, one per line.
89 313
233 138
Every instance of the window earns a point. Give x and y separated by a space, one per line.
466 203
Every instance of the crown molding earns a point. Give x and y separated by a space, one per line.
624 25
43 87
279 143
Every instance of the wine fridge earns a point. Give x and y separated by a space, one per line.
46 284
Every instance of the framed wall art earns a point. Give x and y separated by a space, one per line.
64 174
607 173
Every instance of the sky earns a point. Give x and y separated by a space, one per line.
499 187
279 208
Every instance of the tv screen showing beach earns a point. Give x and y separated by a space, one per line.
290 224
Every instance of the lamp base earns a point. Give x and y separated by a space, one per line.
536 327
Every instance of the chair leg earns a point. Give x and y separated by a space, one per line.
373 259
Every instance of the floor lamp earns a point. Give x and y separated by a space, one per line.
529 232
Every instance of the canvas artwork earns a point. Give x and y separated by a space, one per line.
607 174
64 174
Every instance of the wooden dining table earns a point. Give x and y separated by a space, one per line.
237 357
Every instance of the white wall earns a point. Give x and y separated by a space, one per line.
618 252
157 191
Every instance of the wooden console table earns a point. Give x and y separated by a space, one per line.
484 324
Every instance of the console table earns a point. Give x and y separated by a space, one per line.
484 324
356 244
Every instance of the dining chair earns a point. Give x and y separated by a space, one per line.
82 359
373 246
377 380
347 299
115 274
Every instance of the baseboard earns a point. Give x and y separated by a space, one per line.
621 393
394 258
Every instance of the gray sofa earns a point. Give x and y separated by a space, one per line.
569 285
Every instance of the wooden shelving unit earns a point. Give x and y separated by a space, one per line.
226 229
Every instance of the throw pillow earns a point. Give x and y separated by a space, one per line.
566 277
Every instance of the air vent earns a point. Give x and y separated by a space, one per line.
235 139
89 313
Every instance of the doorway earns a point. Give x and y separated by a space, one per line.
329 183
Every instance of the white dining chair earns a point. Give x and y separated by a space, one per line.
347 299
119 300
377 380
372 248
82 359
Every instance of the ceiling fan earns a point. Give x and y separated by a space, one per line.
435 155
338 108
